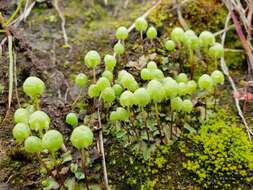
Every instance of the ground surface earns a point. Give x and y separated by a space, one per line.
41 52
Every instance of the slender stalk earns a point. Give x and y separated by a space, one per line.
78 97
215 102
41 162
94 76
36 103
158 120
126 129
171 123
205 109
145 123
57 171
84 168
11 78
191 62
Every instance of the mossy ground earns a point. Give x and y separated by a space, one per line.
92 27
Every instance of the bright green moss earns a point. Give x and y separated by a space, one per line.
219 156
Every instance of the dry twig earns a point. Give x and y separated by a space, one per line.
226 72
63 22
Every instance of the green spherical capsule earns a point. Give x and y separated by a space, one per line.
151 33
122 113
81 137
33 87
92 59
108 75
81 80
191 86
52 140
187 106
39 121
119 48
21 115
72 119
114 116
156 91
121 33
141 24
151 65
127 99
117 89
93 91
176 104
133 86
216 51
170 45
128 81
108 95
177 34
102 83
142 97
121 74
182 77
110 62
218 77
145 74
182 89
33 144
157 74
170 87
21 131
207 38
191 40
205 82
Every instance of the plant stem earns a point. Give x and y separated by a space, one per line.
205 108
36 103
78 97
158 121
127 130
191 63
94 76
145 123
171 123
56 169
84 168
41 162
215 102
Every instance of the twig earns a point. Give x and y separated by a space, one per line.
234 6
234 50
65 36
102 151
15 77
224 30
226 72
15 13
10 70
23 16
179 15
146 14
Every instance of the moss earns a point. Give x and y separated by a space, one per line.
219 156
158 172
205 15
